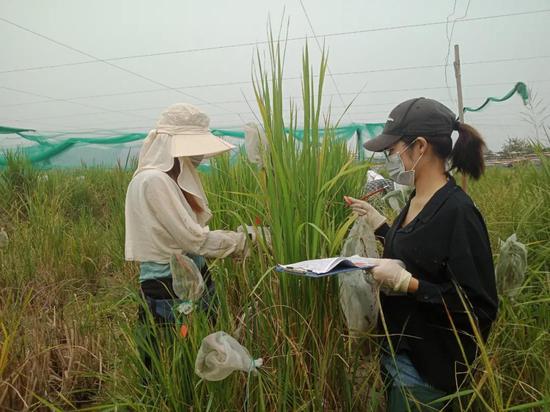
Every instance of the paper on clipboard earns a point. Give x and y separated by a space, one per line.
327 266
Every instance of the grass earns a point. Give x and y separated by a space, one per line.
68 301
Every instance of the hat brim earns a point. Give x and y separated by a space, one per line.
381 142
206 145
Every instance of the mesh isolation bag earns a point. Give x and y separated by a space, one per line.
220 354
255 143
187 282
359 293
511 266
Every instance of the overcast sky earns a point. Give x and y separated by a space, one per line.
114 65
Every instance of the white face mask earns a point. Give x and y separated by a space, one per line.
196 160
396 168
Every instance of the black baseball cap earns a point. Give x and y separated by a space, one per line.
414 117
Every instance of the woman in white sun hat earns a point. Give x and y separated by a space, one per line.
167 210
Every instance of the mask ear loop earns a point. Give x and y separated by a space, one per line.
417 160
406 147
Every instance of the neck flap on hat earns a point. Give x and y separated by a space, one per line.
156 154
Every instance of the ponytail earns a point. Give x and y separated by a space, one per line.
467 154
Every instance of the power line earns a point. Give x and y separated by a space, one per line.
449 40
321 50
443 87
432 66
54 99
382 70
125 129
385 104
353 107
290 39
449 37
124 111
88 97
97 59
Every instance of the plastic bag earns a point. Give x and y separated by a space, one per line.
511 266
359 293
187 282
220 355
254 142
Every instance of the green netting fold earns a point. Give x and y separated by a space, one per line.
520 88
343 132
47 147
237 134
10 130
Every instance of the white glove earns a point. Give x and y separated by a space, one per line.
362 208
391 273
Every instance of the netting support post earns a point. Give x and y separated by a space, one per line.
359 145
458 78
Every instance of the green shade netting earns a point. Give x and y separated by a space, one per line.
10 130
520 88
47 149
60 150
344 132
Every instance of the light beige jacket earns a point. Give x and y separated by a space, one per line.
160 223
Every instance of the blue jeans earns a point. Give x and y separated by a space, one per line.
405 388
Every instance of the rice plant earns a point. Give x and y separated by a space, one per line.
68 302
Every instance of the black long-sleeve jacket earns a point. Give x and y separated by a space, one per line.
446 247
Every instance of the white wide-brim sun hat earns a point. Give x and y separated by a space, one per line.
191 136
200 143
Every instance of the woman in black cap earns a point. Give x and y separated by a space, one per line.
439 297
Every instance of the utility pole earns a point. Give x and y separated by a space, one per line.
458 78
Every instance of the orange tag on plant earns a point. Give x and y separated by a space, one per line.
183 330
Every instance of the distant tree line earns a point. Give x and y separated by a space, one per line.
517 146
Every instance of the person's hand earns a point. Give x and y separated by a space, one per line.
391 273
374 218
255 233
242 251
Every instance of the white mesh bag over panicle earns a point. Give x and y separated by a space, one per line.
359 293
187 281
220 355
511 266
255 143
